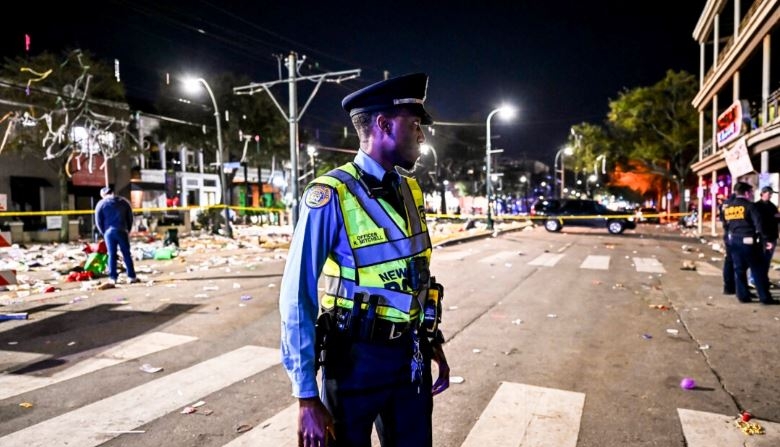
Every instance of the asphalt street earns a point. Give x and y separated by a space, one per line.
577 338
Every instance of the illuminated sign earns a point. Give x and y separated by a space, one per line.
86 171
729 124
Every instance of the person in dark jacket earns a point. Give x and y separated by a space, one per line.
114 219
769 214
729 287
746 242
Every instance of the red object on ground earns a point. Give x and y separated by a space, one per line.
99 248
79 276
746 416
50 289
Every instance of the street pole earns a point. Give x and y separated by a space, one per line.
220 161
487 167
293 115
506 112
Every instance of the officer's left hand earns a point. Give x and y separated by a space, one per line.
443 381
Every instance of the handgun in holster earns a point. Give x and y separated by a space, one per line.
322 329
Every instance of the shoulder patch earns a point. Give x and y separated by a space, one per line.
318 196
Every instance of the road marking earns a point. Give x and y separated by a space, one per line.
455 255
281 430
521 415
707 269
103 420
501 256
648 265
546 259
15 384
702 429
595 262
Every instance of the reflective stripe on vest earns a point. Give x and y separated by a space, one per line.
382 245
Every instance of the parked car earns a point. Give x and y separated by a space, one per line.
588 213
648 214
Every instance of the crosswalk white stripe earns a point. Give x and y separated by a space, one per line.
528 416
595 262
501 256
98 422
13 385
649 265
281 430
702 429
707 269
546 259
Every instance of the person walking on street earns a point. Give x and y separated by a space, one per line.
375 329
747 240
114 219
769 215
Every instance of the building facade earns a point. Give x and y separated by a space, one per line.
738 100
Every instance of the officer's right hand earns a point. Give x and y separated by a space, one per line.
315 424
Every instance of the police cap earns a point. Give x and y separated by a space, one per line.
767 189
406 91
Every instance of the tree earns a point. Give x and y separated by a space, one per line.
659 126
51 100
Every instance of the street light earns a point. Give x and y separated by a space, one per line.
524 182
311 150
191 84
566 151
507 112
440 186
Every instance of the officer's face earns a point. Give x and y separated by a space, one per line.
407 136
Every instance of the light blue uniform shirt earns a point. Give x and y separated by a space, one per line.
320 230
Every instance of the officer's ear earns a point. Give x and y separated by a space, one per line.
383 123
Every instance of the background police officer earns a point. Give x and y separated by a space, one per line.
361 228
747 242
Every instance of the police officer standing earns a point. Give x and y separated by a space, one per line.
374 330
747 242
769 214
729 287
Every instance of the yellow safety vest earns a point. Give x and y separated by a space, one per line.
382 243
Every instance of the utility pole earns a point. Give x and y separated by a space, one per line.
293 115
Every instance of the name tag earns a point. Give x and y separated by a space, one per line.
369 238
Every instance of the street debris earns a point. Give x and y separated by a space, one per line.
687 383
26 405
243 428
457 379
517 322
647 336
659 306
688 265
13 316
147 368
749 428
672 331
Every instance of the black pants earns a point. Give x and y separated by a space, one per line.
358 394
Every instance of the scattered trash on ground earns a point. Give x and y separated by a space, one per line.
687 383
457 379
147 368
26 405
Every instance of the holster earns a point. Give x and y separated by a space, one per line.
323 335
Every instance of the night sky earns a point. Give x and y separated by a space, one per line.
559 62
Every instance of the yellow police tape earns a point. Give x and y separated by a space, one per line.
137 210
278 210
